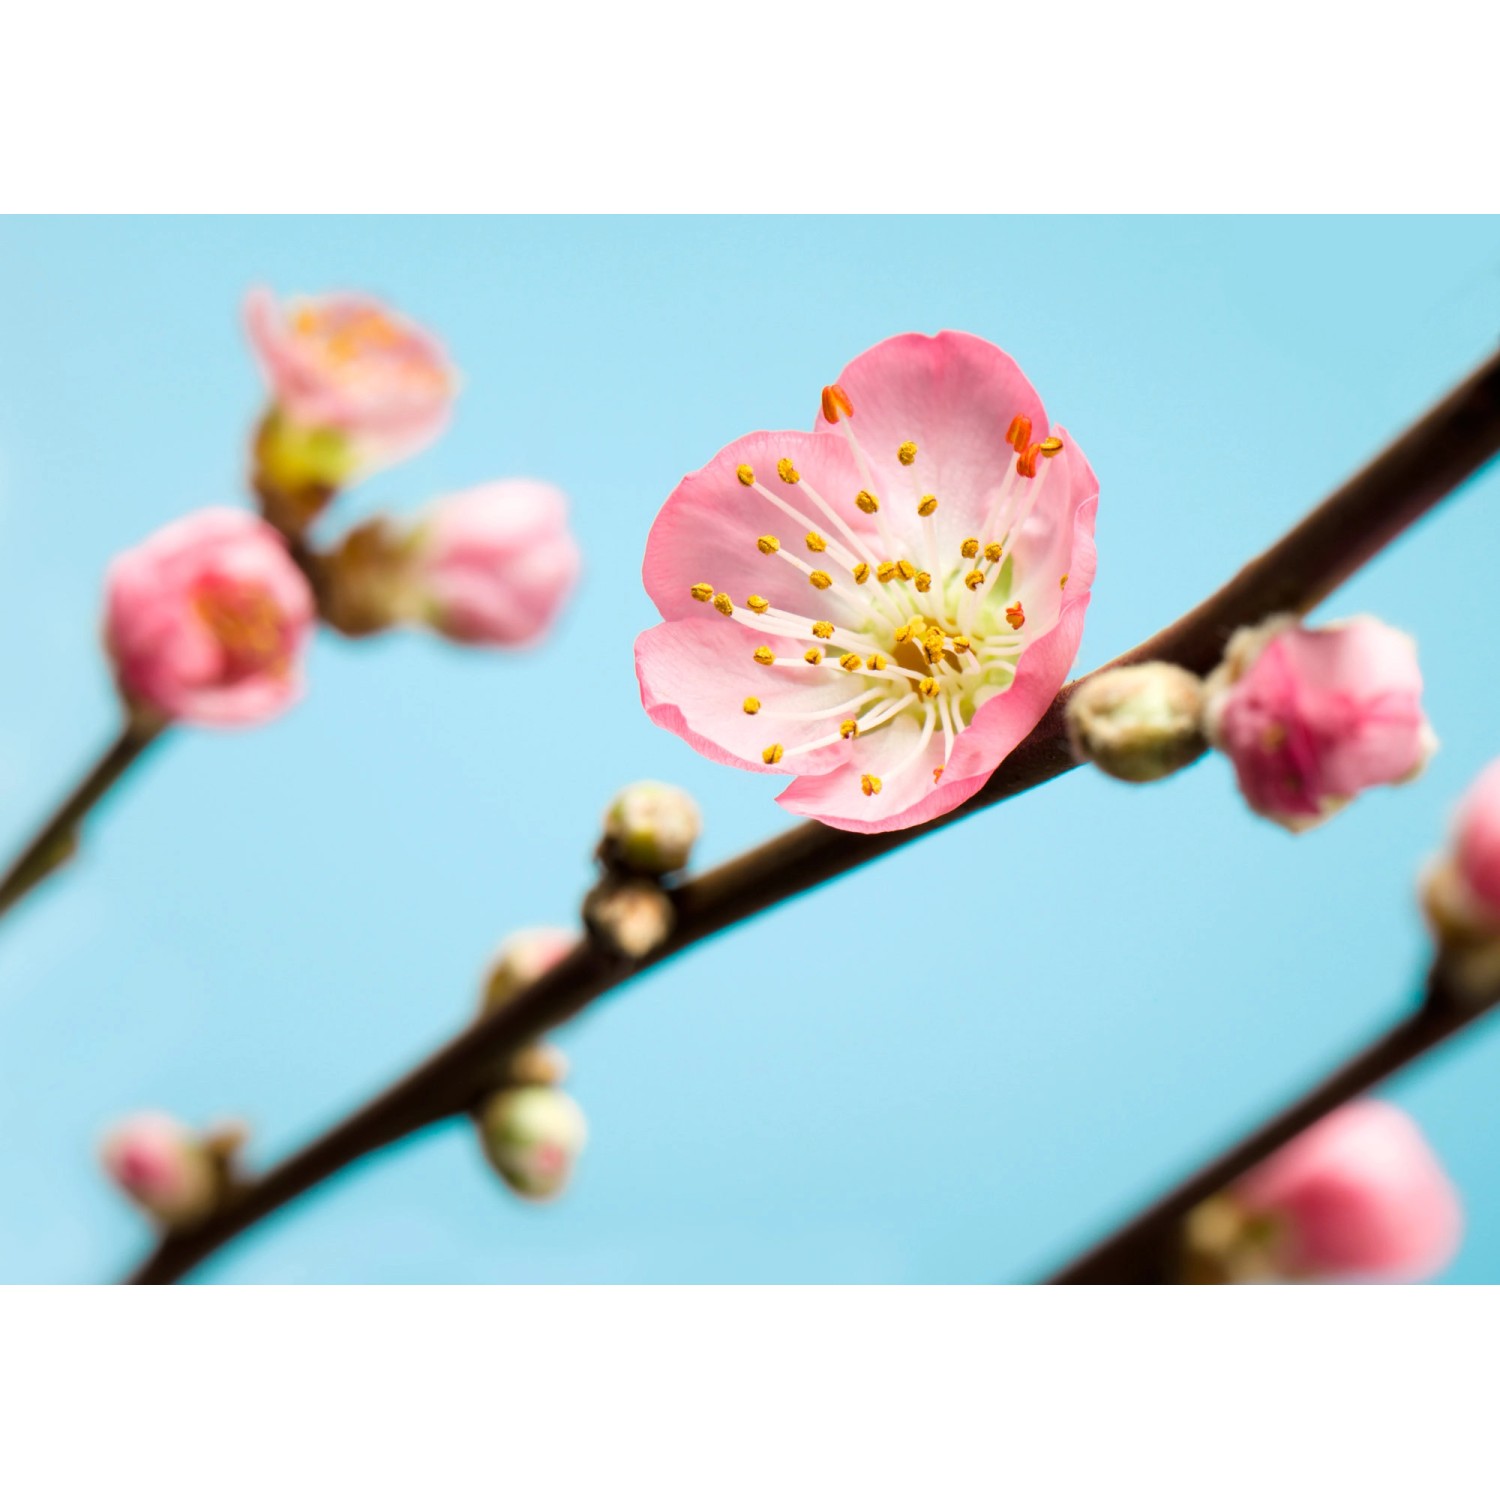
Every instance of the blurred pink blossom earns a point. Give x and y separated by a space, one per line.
495 564
1357 1197
882 608
206 620
1311 717
1477 841
347 364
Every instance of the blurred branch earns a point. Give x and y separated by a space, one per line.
1442 449
54 843
1146 1250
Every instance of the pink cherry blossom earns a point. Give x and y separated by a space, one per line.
207 619
494 565
1311 717
1476 844
1357 1197
884 607
162 1166
345 363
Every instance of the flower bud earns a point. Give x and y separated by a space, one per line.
164 1168
522 958
354 387
1311 718
631 918
1138 723
1357 1197
1461 893
533 1138
494 565
651 828
207 620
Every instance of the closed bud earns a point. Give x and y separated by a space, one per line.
166 1169
1460 892
630 918
522 959
1138 723
533 1138
651 828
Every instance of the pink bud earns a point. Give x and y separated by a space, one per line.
1311 717
206 620
1357 1197
346 365
1476 842
495 564
163 1167
522 959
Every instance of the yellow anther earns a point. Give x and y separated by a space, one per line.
923 582
992 551
928 687
876 662
759 605
960 644
848 729
850 662
768 544
1015 616
926 505
869 785
822 629
861 572
815 543
703 592
937 773
907 453
751 705
772 753
902 635
970 547
885 571
786 472
724 604
820 580
812 656
764 655
973 579
1062 582
934 643
867 502
907 570
1051 447
835 400
745 474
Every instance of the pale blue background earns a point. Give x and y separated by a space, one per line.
852 1089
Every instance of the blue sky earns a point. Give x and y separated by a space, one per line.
273 924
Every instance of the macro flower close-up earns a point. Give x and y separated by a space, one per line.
880 609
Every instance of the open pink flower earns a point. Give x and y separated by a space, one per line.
1357 1197
162 1166
884 607
346 364
494 565
1312 717
206 620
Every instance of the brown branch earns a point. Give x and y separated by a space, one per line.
53 844
1424 464
1147 1249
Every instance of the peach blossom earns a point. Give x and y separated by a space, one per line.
882 608
207 619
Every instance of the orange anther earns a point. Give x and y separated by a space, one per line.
836 400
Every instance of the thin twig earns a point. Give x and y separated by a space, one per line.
53 844
1440 451
1147 1249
